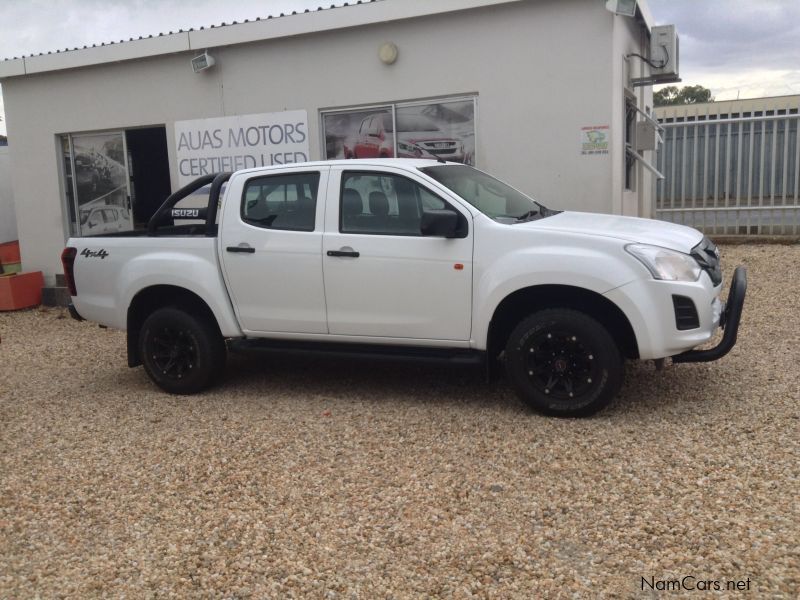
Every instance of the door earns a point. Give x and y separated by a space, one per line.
100 180
270 244
382 277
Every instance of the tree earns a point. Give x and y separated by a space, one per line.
689 94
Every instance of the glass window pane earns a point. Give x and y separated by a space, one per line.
444 129
384 204
491 196
101 178
281 201
356 134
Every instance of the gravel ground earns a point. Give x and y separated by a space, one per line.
329 479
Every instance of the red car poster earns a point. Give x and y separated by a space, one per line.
444 129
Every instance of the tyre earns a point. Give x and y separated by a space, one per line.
182 353
564 363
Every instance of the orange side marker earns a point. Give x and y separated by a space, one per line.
458 267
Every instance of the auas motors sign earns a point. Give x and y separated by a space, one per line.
206 146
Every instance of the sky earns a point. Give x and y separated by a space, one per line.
736 48
744 48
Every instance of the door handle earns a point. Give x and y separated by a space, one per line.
349 253
244 249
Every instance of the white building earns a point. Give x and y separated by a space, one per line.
538 92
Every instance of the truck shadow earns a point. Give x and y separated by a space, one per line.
363 379
645 390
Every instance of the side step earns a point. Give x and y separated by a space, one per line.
454 356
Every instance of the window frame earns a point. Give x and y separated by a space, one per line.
261 177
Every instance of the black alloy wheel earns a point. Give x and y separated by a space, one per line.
174 352
182 352
564 363
560 365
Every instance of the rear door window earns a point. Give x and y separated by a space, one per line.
286 201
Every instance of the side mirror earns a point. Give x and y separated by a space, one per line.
439 223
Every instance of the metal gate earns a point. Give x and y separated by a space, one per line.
731 175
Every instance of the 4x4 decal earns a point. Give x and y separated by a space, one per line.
94 253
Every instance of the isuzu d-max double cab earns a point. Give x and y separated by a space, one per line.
404 259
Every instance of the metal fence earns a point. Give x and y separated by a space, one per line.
731 175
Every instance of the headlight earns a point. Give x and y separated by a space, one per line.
664 264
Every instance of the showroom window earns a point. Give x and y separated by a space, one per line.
433 129
281 201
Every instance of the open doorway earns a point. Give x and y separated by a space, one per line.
148 164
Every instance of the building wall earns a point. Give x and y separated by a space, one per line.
541 70
8 217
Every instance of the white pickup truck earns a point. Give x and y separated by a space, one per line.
404 258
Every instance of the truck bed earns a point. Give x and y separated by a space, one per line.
183 230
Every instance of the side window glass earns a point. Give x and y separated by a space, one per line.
430 201
383 204
281 201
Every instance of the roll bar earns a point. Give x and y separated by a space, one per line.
209 213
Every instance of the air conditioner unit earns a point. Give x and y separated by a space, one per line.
646 136
664 53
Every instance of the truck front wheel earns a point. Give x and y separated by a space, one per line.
564 363
181 352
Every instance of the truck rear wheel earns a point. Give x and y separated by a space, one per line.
564 363
182 353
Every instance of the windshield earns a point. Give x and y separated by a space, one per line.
491 196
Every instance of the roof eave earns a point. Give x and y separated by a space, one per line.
363 13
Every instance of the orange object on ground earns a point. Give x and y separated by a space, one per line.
9 252
21 290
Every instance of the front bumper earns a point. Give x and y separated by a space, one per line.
731 317
648 305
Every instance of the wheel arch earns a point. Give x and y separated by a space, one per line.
525 301
149 299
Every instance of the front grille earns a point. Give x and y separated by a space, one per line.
438 151
685 313
707 256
